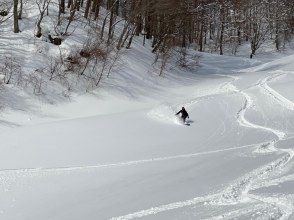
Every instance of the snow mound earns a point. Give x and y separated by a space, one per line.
164 113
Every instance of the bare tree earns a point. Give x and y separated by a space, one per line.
10 69
73 9
42 6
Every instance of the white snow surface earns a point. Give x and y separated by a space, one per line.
120 152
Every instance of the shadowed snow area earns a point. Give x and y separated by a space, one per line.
120 152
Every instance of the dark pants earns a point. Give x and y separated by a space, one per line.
184 118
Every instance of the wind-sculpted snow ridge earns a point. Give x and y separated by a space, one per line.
239 191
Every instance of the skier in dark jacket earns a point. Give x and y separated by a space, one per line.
184 114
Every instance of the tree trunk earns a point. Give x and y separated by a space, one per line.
69 3
110 29
221 39
97 9
201 38
87 9
95 2
15 16
62 6
124 32
73 10
20 10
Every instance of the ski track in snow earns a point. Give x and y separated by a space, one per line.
166 112
164 208
238 192
274 94
120 164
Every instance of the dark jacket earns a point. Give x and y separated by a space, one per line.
184 113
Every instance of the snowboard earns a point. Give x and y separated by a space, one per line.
181 121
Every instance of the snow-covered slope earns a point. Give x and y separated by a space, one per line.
234 161
119 152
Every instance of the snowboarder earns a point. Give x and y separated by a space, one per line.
184 114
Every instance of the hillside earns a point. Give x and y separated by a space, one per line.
117 150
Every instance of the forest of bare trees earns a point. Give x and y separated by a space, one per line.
211 25
215 26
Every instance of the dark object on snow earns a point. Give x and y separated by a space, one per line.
85 54
39 35
54 40
184 114
3 13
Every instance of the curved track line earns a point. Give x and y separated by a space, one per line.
268 170
163 208
122 164
274 94
239 191
245 123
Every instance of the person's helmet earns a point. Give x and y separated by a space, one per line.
183 108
